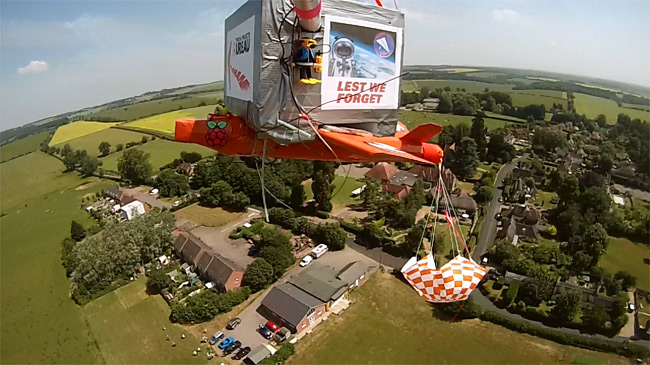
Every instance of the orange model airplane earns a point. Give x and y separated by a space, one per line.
229 134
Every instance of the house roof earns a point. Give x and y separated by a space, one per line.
221 268
290 303
258 354
462 201
403 178
521 230
382 171
627 171
321 282
352 271
113 190
528 213
216 267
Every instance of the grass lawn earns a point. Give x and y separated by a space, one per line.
22 146
390 324
467 186
591 106
128 328
78 129
166 122
342 191
161 152
210 217
544 199
546 97
623 254
40 323
154 107
114 136
412 119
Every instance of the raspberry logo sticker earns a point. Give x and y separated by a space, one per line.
216 136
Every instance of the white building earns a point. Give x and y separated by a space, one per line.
131 210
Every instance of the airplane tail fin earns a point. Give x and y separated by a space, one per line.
421 134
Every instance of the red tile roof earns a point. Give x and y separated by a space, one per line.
382 171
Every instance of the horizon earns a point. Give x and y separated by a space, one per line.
66 56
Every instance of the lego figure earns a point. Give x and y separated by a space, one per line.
304 58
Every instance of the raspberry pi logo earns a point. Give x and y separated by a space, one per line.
216 136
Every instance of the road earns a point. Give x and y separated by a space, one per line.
489 227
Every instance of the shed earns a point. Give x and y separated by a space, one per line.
258 354
353 273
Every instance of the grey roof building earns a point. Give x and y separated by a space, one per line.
321 282
290 304
352 272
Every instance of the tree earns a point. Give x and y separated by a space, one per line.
490 104
595 241
322 187
89 165
533 291
627 280
595 320
157 280
601 120
465 159
567 306
424 93
591 179
66 149
331 235
77 231
69 161
172 184
298 196
104 148
119 147
280 258
270 236
445 106
548 139
483 194
371 194
503 251
568 189
371 235
413 239
134 166
478 133
258 275
144 139
191 157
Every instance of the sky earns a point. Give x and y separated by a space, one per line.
60 56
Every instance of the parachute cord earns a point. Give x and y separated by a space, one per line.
266 211
459 309
437 200
424 230
269 191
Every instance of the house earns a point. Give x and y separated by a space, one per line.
430 104
132 210
511 277
462 203
320 281
185 169
624 175
382 172
509 139
514 231
291 307
429 174
526 214
590 297
224 273
114 192
353 274
396 182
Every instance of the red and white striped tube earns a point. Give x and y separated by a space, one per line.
309 13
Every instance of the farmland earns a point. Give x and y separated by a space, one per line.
165 123
114 136
546 97
140 319
393 325
591 106
78 129
412 119
469 86
623 254
22 146
161 152
40 323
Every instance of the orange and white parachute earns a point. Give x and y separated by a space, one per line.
455 280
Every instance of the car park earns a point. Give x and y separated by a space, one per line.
216 337
233 323
231 348
306 260
242 353
225 343
265 332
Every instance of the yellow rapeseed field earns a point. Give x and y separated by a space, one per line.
165 122
78 129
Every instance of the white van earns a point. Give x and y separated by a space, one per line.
319 251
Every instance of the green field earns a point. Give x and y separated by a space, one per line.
591 106
390 324
204 216
342 191
22 146
114 136
470 86
166 122
128 327
161 152
78 129
412 119
623 254
40 323
546 97
155 107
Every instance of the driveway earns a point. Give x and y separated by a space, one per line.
145 197
246 331
489 227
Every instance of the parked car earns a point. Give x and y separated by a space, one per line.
225 343
233 323
500 199
630 307
305 261
272 326
242 353
216 337
498 216
230 349
265 332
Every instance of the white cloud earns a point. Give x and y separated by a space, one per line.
34 67
506 15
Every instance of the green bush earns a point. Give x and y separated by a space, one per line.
280 356
322 214
513 289
207 304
